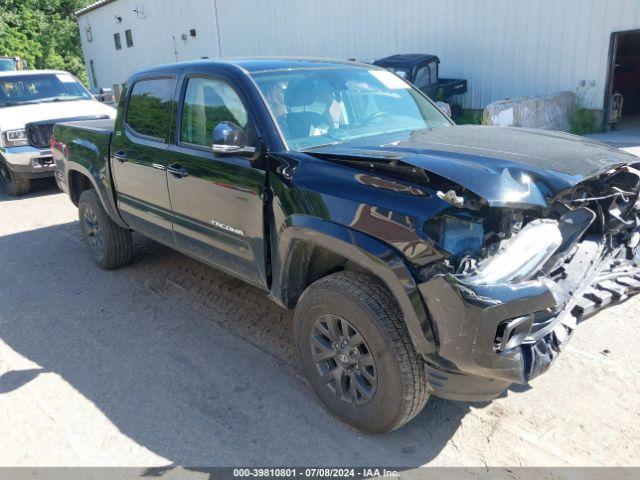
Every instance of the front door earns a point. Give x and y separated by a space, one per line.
139 157
217 200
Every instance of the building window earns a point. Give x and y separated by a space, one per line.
89 34
128 38
116 40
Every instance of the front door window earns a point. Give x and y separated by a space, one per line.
207 103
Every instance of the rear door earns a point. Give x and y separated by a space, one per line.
139 157
217 200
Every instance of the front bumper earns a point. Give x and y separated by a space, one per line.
491 336
29 161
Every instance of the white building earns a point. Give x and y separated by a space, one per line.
504 48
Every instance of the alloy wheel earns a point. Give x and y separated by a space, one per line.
343 359
93 232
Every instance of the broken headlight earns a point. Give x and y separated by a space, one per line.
523 255
456 235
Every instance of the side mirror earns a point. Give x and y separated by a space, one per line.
229 138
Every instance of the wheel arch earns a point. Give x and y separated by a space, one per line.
308 248
80 178
78 182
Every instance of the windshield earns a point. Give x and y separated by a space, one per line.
323 106
25 89
7 64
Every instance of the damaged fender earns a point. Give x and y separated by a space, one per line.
366 252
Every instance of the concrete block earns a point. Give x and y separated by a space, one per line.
549 112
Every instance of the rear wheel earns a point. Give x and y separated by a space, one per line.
110 245
12 183
356 352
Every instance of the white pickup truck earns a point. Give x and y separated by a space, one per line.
31 102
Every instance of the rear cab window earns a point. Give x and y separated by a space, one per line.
150 108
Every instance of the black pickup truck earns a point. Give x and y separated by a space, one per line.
421 257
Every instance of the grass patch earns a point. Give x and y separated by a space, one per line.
470 117
583 121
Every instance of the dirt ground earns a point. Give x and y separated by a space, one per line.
168 362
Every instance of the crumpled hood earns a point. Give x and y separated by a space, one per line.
509 167
18 116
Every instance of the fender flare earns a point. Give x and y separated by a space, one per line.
365 251
100 179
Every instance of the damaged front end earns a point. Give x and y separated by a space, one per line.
503 313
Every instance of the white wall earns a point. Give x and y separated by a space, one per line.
157 35
505 48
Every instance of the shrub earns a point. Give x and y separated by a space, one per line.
583 121
470 117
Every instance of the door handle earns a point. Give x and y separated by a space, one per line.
177 170
121 156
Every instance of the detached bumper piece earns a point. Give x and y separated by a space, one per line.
606 292
494 335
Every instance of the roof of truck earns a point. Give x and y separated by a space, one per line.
282 63
264 64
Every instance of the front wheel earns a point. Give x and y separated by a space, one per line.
110 245
356 352
13 183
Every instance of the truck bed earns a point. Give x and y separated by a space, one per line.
452 86
102 126
83 145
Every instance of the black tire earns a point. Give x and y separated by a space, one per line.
13 183
110 245
391 383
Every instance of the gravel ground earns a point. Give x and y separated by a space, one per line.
168 362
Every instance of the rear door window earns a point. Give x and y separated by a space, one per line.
150 108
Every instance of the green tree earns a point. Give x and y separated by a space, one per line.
44 33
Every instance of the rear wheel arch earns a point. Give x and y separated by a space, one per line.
80 179
78 183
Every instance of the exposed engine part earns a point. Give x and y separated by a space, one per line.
613 196
451 197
